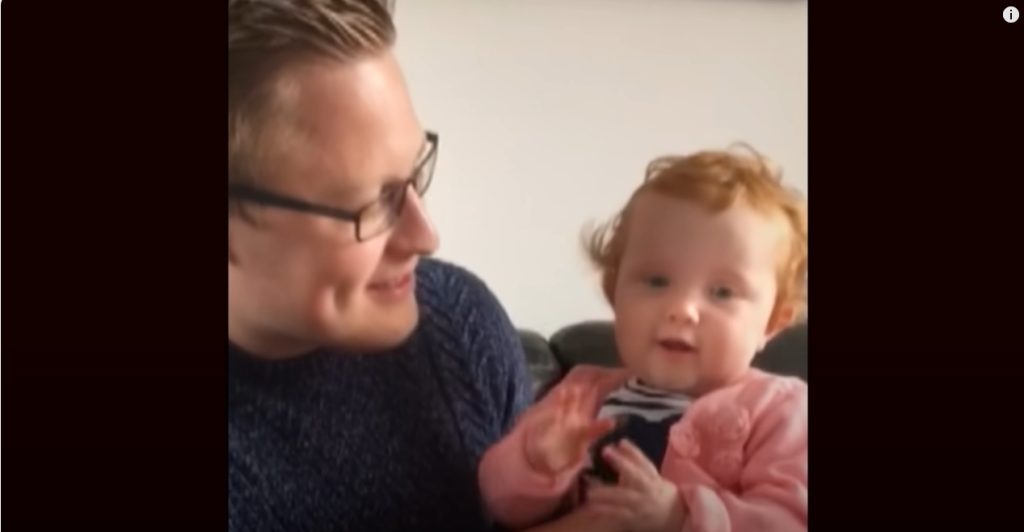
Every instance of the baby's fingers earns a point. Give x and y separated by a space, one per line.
599 428
608 511
614 497
636 456
632 471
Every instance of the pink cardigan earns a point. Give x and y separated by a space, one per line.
738 456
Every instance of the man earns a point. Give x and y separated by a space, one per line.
364 382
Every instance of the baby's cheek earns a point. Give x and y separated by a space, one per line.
636 362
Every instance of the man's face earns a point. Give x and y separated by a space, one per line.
298 280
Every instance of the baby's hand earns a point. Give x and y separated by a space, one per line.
582 518
559 437
643 501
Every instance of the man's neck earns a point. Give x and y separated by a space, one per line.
266 345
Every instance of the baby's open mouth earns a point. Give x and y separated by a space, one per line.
681 346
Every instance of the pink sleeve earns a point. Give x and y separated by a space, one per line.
515 494
771 494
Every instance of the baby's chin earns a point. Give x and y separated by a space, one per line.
678 381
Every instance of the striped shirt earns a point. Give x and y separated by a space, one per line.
635 398
644 415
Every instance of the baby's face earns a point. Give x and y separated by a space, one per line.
695 292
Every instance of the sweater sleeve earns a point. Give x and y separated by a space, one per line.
772 494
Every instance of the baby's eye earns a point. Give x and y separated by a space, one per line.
721 292
656 281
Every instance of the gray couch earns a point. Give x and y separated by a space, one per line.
593 342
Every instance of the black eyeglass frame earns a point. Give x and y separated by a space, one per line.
267 198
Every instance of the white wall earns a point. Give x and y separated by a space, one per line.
549 110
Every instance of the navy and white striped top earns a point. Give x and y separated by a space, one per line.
644 416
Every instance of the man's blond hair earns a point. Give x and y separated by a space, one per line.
265 36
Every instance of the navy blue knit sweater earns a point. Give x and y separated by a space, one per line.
387 441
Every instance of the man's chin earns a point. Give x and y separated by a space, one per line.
398 336
390 331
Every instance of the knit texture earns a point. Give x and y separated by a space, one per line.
337 440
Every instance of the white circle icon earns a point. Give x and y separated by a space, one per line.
1011 14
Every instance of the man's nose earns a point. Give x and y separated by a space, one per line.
414 233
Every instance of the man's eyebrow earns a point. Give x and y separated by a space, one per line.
421 157
422 154
341 189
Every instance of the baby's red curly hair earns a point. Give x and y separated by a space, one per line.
716 180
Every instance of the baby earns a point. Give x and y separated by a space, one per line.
704 265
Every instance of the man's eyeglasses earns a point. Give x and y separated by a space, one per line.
370 220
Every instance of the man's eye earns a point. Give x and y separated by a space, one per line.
656 281
721 292
391 193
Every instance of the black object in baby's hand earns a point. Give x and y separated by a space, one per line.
600 468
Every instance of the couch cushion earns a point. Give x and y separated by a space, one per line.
786 354
593 342
540 361
588 342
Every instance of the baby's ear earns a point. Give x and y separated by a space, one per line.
231 253
782 318
232 258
